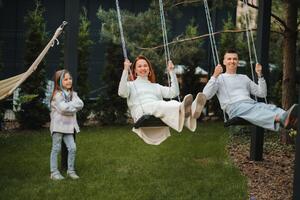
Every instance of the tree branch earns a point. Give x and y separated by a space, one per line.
193 38
252 5
282 22
183 2
199 37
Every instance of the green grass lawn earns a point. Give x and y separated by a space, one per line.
114 163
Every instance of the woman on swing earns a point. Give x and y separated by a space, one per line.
144 96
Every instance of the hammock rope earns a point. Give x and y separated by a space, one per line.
7 86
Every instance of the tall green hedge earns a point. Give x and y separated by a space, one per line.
112 109
84 47
34 114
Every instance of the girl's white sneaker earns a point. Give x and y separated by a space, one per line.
73 175
56 176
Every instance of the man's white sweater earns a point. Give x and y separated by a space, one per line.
232 88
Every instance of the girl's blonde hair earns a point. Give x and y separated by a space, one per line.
151 76
58 76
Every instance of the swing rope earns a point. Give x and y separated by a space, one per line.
121 30
165 40
247 17
211 36
167 57
213 47
124 47
250 39
164 32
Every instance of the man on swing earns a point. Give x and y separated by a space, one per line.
233 91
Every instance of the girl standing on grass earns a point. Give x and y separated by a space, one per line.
64 105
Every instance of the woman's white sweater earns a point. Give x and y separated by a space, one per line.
141 91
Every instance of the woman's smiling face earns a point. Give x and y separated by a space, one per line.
142 68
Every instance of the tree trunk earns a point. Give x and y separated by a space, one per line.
289 61
289 55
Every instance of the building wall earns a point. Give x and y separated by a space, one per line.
240 14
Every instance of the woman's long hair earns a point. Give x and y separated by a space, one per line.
151 76
58 76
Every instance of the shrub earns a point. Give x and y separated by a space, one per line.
112 109
34 114
84 46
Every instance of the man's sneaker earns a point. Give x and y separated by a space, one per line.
56 176
72 175
187 104
198 105
289 119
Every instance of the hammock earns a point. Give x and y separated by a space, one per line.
7 86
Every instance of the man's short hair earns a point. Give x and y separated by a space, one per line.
230 51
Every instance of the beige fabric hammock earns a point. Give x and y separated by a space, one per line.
7 86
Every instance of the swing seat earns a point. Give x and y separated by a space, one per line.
236 121
148 121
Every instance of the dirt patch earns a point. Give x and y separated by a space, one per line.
271 178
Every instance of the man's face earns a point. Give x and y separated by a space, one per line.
231 61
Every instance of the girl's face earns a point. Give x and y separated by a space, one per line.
142 68
67 82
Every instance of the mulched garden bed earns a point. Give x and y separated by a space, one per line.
272 178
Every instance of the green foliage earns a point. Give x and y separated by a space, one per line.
275 55
143 35
194 53
137 33
293 133
232 40
112 109
84 47
214 4
276 93
26 98
34 114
